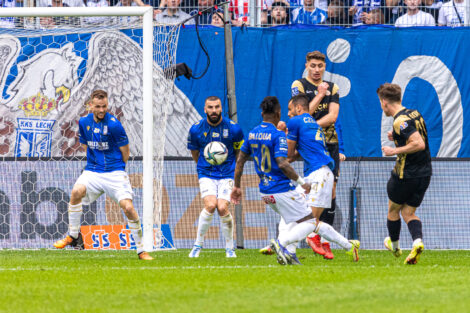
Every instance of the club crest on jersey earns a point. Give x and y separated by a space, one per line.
225 133
96 130
105 129
403 125
34 137
215 135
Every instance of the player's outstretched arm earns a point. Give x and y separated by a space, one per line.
289 171
125 153
236 195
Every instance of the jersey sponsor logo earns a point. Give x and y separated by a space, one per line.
403 125
269 199
225 133
215 135
259 136
295 91
98 145
34 137
308 120
308 91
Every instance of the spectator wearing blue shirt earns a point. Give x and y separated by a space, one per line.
308 14
360 8
204 18
215 181
107 149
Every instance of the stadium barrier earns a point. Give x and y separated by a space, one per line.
33 204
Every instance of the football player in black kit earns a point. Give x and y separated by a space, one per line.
412 172
324 107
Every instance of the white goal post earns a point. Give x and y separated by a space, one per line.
148 93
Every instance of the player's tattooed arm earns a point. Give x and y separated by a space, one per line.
289 171
236 194
195 155
125 153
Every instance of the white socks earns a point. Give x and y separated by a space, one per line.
417 241
395 245
136 231
75 214
331 234
227 229
205 221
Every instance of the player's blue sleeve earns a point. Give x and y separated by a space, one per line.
81 131
339 131
192 139
293 129
246 147
280 145
237 136
119 134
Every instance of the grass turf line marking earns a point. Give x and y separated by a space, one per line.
126 268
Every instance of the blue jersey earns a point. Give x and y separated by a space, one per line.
103 140
265 143
202 133
310 142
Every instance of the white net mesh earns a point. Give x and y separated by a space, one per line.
48 68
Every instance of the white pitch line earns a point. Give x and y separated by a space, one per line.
126 268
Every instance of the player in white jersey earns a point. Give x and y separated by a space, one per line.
107 148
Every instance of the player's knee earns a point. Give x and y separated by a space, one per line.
211 207
223 210
78 192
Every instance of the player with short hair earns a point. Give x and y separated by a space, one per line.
268 146
215 181
107 149
411 175
324 107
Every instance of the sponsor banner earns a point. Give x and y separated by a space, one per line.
34 198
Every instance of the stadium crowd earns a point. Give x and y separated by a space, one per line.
401 13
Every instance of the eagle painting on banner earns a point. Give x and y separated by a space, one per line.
45 82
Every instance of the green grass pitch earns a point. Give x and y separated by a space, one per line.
116 281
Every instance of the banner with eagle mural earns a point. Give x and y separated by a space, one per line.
45 81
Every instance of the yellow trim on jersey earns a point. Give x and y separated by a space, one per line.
297 84
335 89
237 145
398 121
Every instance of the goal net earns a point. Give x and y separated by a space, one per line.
51 60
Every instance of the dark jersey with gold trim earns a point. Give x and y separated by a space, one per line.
410 165
311 90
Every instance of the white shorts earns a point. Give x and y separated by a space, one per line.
220 188
290 205
322 188
115 185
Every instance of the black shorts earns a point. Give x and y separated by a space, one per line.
333 149
407 191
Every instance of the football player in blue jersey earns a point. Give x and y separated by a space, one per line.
107 149
215 181
305 138
269 149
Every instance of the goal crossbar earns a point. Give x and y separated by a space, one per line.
148 38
